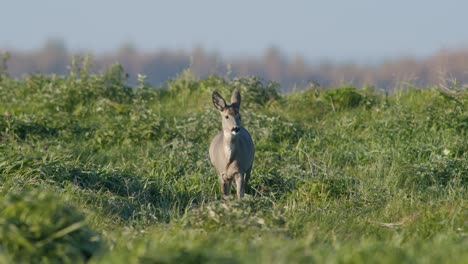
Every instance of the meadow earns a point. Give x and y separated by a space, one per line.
93 170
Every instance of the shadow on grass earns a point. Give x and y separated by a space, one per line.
123 194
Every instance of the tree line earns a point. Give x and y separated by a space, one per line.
446 67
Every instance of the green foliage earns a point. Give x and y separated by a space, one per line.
255 92
340 175
3 65
349 97
250 214
37 226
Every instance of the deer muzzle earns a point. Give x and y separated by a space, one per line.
235 130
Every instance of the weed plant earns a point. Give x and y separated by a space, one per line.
93 170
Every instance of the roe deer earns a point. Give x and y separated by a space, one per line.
232 149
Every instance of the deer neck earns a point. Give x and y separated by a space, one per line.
230 145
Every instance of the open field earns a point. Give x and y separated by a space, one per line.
94 171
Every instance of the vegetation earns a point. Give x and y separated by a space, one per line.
445 68
93 170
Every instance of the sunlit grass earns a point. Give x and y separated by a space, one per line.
93 170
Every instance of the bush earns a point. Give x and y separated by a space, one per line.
349 97
438 171
36 225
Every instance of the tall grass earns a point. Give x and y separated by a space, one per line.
93 170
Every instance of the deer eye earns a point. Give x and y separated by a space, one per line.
227 117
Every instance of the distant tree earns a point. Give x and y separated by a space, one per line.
158 66
53 57
274 64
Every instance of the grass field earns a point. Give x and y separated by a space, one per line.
92 170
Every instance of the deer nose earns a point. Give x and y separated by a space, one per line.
235 130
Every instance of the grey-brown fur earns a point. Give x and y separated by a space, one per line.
232 149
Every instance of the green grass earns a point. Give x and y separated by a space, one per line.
92 170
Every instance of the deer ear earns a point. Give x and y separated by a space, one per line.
236 98
218 101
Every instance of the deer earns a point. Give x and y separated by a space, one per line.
232 149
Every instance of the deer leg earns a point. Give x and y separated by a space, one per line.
240 185
221 184
225 187
247 177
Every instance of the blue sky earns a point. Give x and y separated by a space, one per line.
358 30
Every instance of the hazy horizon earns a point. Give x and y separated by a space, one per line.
359 31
